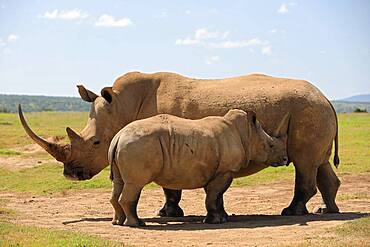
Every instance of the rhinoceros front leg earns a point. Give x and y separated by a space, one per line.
305 188
215 190
171 208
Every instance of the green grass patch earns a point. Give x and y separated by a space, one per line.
47 179
266 176
14 235
354 233
356 196
359 228
8 152
5 213
45 124
354 142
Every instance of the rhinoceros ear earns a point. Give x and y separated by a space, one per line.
107 94
85 94
252 117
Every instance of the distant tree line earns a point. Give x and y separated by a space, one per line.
359 110
9 103
343 106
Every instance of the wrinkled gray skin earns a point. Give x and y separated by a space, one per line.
311 125
179 153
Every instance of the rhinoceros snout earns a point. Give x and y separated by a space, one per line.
75 173
284 161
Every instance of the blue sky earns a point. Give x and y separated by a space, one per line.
47 47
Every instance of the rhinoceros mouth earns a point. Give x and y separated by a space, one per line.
285 162
76 174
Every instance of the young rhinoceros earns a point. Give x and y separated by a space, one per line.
179 153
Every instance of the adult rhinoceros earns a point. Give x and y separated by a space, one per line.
311 125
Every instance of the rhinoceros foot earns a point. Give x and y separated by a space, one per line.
216 218
297 209
322 209
171 210
134 223
119 221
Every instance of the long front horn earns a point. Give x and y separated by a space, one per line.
59 152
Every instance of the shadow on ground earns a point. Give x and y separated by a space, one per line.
193 222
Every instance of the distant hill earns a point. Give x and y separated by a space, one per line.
9 103
357 98
343 106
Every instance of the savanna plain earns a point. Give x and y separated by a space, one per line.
39 207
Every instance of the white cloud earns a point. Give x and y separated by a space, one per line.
273 31
12 38
187 41
217 40
213 59
267 50
188 12
73 14
201 36
277 31
203 33
109 21
283 9
237 44
50 15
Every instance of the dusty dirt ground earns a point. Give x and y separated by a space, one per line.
254 211
15 163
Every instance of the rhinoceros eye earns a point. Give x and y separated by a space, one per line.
96 142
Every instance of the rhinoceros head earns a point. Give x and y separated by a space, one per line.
259 146
86 155
270 150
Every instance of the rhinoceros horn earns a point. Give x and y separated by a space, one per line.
59 152
73 137
283 126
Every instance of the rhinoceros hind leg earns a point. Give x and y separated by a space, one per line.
215 189
171 208
119 215
305 188
328 184
128 200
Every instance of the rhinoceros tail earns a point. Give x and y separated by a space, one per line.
336 143
112 155
336 156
